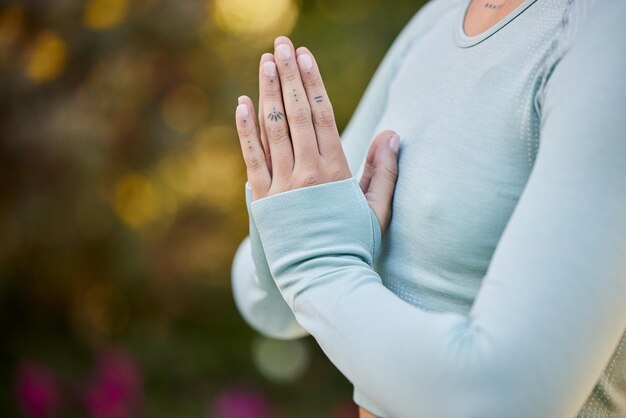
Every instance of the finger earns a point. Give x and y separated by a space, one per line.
296 103
275 122
328 139
251 148
368 169
379 194
266 147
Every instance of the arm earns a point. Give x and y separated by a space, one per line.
551 308
257 298
255 293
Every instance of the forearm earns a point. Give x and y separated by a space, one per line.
262 307
401 357
371 335
556 277
256 296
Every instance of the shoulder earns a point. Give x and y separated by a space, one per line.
595 26
588 62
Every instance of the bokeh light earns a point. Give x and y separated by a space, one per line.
11 24
37 390
281 361
47 57
255 18
240 402
103 14
136 200
122 204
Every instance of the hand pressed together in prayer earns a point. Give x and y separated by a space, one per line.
296 143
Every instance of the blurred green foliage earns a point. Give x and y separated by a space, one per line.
122 205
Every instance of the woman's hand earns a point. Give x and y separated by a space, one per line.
298 144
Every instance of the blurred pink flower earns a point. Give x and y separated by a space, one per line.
241 403
115 390
37 390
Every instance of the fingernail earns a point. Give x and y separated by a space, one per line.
280 38
242 110
283 51
305 62
269 68
394 143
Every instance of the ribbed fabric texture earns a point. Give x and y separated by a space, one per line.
498 289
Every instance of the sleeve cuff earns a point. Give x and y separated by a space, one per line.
263 276
315 228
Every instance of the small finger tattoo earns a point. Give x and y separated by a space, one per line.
318 99
275 115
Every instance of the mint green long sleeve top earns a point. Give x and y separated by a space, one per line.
499 288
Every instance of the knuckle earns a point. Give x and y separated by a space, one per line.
309 177
337 174
324 118
310 82
301 117
390 173
278 132
290 76
246 130
272 93
253 163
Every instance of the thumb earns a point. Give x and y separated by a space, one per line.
382 161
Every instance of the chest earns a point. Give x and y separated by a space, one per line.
469 144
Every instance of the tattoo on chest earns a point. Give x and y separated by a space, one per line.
490 5
275 115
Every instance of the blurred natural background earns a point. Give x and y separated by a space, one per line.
121 203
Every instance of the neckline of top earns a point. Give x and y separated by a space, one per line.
465 41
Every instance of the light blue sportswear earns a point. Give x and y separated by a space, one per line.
499 289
